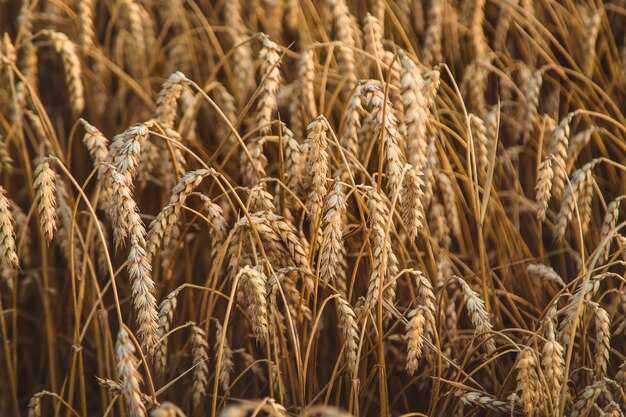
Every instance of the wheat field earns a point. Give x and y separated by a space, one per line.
312 208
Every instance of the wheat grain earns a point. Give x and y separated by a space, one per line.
385 264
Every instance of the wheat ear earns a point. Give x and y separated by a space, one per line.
8 251
545 273
528 387
543 189
416 112
130 378
200 355
553 363
227 364
45 188
160 227
603 341
167 100
72 67
253 282
414 336
270 72
476 310
332 251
